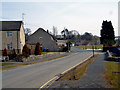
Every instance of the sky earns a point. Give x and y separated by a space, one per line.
81 15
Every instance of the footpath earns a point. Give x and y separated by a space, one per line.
94 78
43 57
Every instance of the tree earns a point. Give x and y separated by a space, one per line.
55 31
95 40
65 33
5 53
107 34
38 49
74 35
86 36
27 33
25 51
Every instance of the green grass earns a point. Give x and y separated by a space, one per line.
113 73
90 46
4 63
48 52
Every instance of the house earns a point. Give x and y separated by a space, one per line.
46 40
62 42
59 37
12 36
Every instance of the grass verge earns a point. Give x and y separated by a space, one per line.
113 73
79 71
90 46
4 64
15 66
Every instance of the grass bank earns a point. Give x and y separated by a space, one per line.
113 73
90 46
79 71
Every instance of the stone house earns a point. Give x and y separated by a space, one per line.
46 40
12 36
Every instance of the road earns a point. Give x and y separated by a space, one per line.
33 76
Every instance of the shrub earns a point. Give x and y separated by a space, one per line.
38 49
25 51
5 53
65 49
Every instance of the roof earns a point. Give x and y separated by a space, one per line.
10 25
45 32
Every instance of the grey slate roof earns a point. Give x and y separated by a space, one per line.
10 25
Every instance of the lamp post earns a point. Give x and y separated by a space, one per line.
93 49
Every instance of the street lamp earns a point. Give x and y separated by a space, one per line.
93 49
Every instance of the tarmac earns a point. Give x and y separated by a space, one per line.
94 78
44 57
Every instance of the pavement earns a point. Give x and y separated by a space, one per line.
43 57
94 78
34 76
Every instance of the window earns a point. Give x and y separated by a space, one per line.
9 46
40 37
9 34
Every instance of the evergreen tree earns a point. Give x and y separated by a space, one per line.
38 49
25 51
107 34
5 53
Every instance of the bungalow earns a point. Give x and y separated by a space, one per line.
12 36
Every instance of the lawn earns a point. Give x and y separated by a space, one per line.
113 73
90 46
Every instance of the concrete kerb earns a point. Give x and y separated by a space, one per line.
48 83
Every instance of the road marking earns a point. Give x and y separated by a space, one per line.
48 82
64 72
75 65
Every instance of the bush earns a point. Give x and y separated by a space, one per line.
65 49
25 51
38 49
13 55
5 53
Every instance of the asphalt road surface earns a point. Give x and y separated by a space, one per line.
34 76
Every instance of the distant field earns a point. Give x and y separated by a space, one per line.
113 73
90 46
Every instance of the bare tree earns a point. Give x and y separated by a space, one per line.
27 33
55 31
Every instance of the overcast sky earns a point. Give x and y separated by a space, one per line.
80 15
